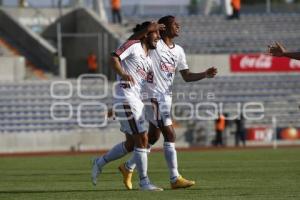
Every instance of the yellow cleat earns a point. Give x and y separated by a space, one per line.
182 183
127 175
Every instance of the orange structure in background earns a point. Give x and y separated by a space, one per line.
290 134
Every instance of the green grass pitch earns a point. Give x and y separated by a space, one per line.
224 174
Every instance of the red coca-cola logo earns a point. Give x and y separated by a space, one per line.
260 62
255 63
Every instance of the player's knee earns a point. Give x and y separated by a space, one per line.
154 139
153 134
170 137
141 140
144 141
169 134
129 145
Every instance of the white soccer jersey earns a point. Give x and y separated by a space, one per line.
166 61
137 64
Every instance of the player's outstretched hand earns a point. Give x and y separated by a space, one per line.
211 72
276 49
127 77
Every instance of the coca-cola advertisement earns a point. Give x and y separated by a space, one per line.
266 133
262 63
260 134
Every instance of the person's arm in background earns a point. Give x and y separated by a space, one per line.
190 76
278 50
154 26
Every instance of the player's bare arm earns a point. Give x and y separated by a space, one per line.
154 26
293 55
120 71
190 76
279 50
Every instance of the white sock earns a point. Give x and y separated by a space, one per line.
141 160
130 164
115 153
171 158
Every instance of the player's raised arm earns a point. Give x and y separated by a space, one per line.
279 50
154 26
190 76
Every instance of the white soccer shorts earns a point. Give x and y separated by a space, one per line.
131 115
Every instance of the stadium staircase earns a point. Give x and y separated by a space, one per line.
9 48
24 42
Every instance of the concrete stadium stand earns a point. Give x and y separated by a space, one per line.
40 52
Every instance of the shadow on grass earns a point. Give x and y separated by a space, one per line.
59 174
61 191
88 190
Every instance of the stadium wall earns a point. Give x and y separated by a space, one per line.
83 33
77 140
104 44
202 62
12 68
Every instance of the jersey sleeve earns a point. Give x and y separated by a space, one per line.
126 49
182 64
